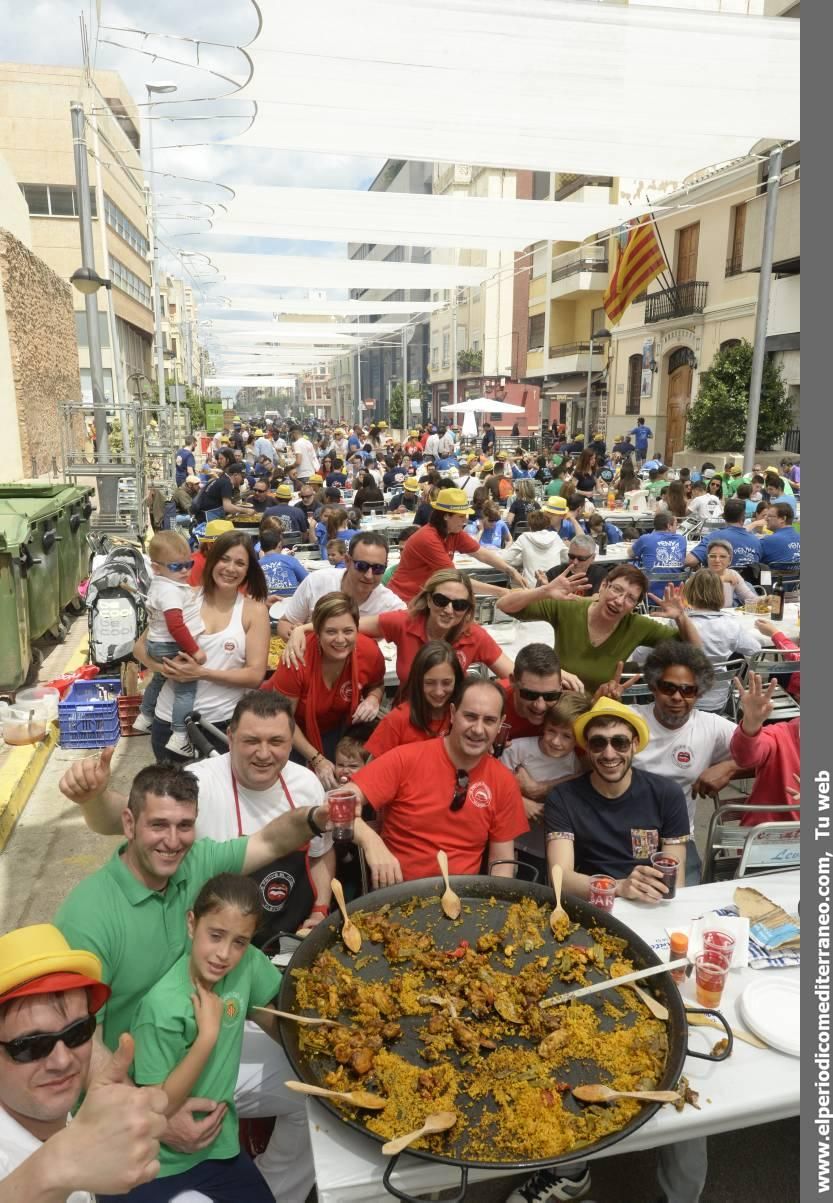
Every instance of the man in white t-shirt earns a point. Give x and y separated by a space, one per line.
361 579
704 504
49 996
687 745
305 456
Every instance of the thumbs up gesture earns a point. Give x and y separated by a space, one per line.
112 1145
87 779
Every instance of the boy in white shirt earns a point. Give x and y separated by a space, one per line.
174 623
540 762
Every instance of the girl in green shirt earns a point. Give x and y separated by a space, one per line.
189 1037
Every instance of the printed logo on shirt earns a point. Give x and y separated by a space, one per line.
480 795
232 1008
228 646
275 889
682 756
346 691
644 841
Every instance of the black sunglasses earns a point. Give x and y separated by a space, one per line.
461 792
547 695
458 604
619 743
669 688
363 566
40 1044
571 555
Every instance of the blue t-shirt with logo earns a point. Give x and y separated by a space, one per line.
659 550
746 546
781 547
641 434
283 573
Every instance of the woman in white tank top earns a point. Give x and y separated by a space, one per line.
235 640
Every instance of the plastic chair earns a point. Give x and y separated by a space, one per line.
725 672
765 848
373 507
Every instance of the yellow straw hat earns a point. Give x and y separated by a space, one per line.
610 708
555 505
37 960
215 528
411 484
452 501
315 479
283 492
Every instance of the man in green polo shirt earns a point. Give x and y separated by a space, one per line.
131 914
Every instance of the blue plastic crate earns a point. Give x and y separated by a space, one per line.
86 720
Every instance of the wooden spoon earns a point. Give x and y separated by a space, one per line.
558 913
350 934
706 1021
450 902
309 1019
358 1098
656 1008
604 1094
441 1121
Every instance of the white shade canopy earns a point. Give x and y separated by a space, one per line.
483 405
244 304
232 381
320 272
274 330
581 87
337 214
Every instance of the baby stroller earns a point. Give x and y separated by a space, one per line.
116 612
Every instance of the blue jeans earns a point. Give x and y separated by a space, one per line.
229 1181
185 692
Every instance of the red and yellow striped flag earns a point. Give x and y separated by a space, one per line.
636 266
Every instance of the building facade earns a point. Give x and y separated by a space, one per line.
36 142
183 358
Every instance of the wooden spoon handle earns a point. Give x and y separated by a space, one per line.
402 1142
308 1088
557 883
339 897
442 861
299 1018
650 1096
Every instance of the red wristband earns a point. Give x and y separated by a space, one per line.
320 910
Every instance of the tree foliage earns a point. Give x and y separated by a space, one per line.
717 420
396 415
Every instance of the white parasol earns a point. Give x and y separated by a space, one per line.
483 405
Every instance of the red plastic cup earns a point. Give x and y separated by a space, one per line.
602 891
719 941
667 866
710 972
342 807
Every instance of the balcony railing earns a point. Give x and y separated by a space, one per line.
574 349
586 259
678 301
734 264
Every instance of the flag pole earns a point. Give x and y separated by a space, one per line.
669 272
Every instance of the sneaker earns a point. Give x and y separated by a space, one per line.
180 744
142 724
547 1186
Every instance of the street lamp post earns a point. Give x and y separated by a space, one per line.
152 89
599 336
88 282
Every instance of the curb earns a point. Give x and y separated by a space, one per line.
21 770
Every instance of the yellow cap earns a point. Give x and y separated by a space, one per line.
215 528
610 708
284 492
452 501
411 484
41 950
315 479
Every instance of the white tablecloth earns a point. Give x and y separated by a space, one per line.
754 1086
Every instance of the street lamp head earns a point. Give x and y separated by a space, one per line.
88 281
161 87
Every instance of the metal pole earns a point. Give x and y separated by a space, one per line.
119 382
454 384
150 193
586 413
107 486
757 375
404 375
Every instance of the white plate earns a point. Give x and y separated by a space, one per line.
772 1010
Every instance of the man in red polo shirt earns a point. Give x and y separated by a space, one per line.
448 794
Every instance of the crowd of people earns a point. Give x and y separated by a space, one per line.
143 998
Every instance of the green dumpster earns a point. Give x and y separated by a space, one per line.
15 643
73 550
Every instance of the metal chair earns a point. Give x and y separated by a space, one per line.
661 576
725 672
373 507
773 662
765 848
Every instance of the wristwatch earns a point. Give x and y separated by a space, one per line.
311 823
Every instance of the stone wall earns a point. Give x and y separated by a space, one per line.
43 353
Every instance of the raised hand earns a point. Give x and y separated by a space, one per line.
569 586
616 686
671 603
755 702
87 779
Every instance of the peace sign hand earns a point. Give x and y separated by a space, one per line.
615 687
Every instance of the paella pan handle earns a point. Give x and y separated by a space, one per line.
730 1039
406 1198
519 864
276 939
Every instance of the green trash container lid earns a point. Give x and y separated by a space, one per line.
32 488
14 531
